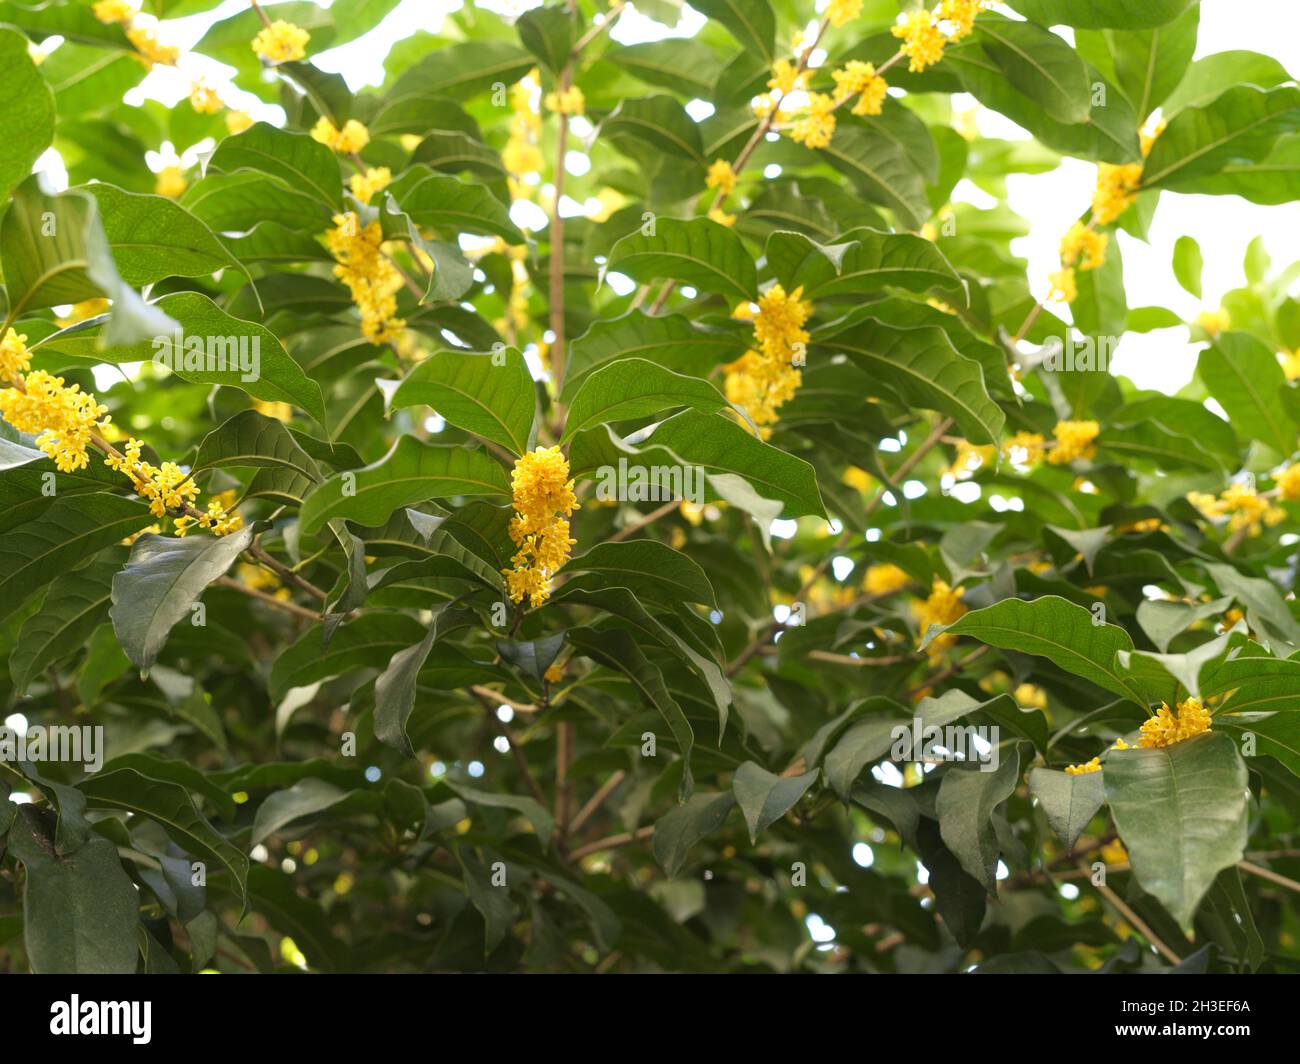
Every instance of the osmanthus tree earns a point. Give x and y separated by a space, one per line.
342 494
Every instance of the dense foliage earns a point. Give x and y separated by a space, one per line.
333 472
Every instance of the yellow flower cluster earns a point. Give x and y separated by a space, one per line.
170 182
1030 696
814 124
1167 728
151 50
1214 321
1117 188
969 457
1074 439
842 12
925 33
721 177
1291 364
204 98
15 359
238 121
543 502
351 138
1288 482
1082 770
860 79
884 579
372 279
569 102
1082 247
765 377
942 606
521 155
110 11
281 42
63 415
1248 510
1147 136
375 179
168 488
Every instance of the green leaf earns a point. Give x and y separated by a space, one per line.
1068 802
650 569
869 261
491 395
677 831
532 657
764 798
1243 374
751 22
492 901
617 650
1150 63
79 907
862 745
1100 14
968 797
305 798
74 607
368 642
172 807
463 70
721 446
698 252
681 64
412 472
1241 125
1187 264
542 821
923 369
881 170
636 388
395 687
53 251
1101 308
1212 74
161 583
208 346
68 531
255 441
672 341
1039 64
26 112
548 32
1056 629
451 206
153 237
1182 813
295 159
660 122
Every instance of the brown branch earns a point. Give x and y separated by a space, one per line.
268 599
1270 875
650 518
613 842
516 748
596 800
1135 921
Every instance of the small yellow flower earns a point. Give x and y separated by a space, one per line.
1031 695
1288 482
170 182
543 502
87 308
970 457
150 49
923 43
717 214
1147 136
554 674
884 579
281 42
860 79
787 77
1024 449
841 12
942 607
1117 188
369 274
1291 364
204 98
1064 289
1074 439
814 125
722 177
1082 770
763 379
1167 728
1084 247
375 179
1113 853
110 11
1214 321
238 121
15 360
63 415
569 102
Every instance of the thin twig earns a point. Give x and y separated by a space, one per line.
596 801
1269 874
268 599
1137 923
613 842
650 518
